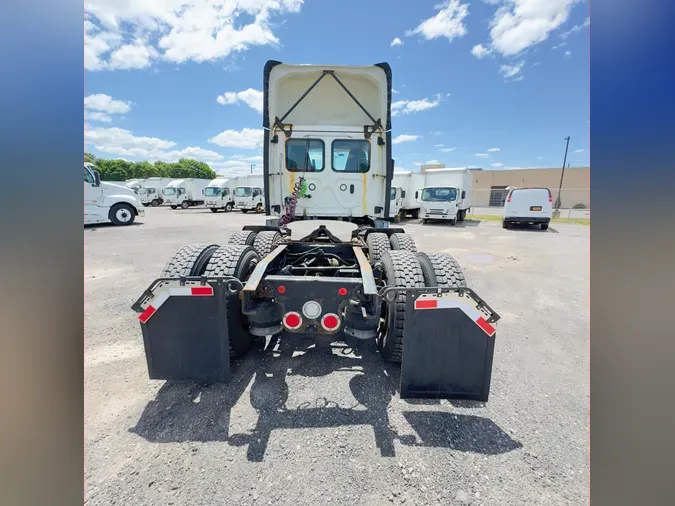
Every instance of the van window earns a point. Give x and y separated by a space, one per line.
304 155
351 156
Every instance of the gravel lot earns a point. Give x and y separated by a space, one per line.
326 426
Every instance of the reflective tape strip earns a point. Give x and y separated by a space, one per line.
470 311
162 297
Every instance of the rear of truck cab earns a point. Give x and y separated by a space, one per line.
528 206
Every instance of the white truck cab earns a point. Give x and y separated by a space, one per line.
249 194
150 191
446 194
134 184
185 193
107 202
329 149
219 194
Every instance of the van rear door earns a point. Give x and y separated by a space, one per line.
528 203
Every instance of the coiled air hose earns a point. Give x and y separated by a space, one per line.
299 190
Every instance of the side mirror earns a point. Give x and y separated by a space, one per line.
403 193
417 194
463 194
97 178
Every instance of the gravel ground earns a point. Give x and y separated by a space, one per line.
315 423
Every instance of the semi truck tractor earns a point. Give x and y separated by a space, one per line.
326 264
219 194
405 194
108 202
249 193
150 191
185 193
447 194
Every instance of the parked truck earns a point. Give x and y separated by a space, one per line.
249 193
134 184
108 202
325 264
150 191
446 194
219 194
185 193
405 194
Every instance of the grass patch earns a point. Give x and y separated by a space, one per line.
488 217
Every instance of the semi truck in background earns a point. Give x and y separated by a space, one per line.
134 184
107 202
249 193
446 194
405 193
185 193
150 191
219 194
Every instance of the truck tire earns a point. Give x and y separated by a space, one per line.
460 215
544 226
244 211
259 208
441 269
402 242
378 244
122 214
505 224
243 237
415 214
185 204
214 210
228 208
154 203
238 261
190 260
265 242
174 207
401 269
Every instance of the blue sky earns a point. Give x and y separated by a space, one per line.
496 84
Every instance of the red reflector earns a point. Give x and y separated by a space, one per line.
550 197
330 322
145 315
342 291
292 320
426 304
482 323
202 290
508 199
281 289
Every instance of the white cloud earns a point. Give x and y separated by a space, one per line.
493 150
536 64
413 106
252 98
247 158
105 103
97 116
120 142
248 138
396 42
447 150
432 162
482 155
448 22
121 34
232 168
405 138
578 151
496 165
438 145
437 133
480 51
568 54
576 28
558 46
540 158
519 24
395 91
511 70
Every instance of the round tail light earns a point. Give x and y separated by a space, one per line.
292 320
330 321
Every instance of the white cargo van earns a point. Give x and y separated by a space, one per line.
249 194
446 194
219 194
406 189
107 202
528 206
150 191
185 192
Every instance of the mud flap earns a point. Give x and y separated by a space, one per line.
185 332
448 345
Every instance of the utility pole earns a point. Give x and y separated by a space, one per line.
562 175
252 165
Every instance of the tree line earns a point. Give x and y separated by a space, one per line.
121 170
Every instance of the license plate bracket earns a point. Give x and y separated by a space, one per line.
535 208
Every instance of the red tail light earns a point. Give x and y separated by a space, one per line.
550 197
508 198
292 320
330 321
342 291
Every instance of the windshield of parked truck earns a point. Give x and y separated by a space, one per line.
243 191
212 191
439 194
141 191
392 194
169 191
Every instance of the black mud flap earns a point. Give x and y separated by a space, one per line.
184 325
448 345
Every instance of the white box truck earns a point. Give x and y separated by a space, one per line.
133 184
219 194
185 193
150 191
249 194
107 202
446 194
405 194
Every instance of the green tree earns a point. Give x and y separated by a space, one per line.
121 170
89 158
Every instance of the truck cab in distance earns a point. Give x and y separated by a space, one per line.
446 194
150 191
405 194
107 202
249 194
219 194
185 193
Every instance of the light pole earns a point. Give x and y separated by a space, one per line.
252 165
562 175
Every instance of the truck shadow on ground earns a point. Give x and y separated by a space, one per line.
187 411
467 223
93 227
532 228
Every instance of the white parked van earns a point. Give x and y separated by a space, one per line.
219 194
185 193
528 206
150 191
249 195
107 202
446 194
